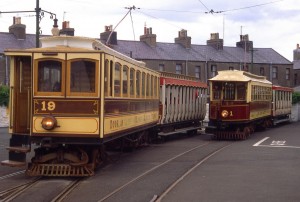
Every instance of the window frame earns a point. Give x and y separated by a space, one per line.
178 68
82 94
36 74
274 73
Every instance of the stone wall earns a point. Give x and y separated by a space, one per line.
3 116
296 112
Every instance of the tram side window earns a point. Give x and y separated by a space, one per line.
131 82
125 81
217 87
148 86
117 79
229 91
155 87
49 76
106 82
143 83
241 91
83 76
138 84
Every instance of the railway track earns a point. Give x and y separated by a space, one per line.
23 191
63 189
174 184
148 172
12 193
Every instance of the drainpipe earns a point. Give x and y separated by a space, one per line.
6 71
271 71
206 70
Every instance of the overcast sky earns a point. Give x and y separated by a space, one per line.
269 23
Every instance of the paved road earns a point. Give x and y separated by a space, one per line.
262 168
265 167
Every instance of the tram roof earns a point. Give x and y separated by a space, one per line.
75 44
236 75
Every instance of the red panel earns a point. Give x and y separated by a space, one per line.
236 112
282 88
180 82
213 112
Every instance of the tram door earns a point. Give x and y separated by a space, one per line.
21 95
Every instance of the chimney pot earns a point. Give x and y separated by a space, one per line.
148 37
18 29
215 41
183 39
66 30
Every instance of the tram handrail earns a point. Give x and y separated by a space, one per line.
11 107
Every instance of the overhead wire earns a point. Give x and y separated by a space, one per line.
211 10
263 4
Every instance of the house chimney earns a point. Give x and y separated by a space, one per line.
296 55
245 43
215 41
108 34
148 37
183 39
18 29
66 30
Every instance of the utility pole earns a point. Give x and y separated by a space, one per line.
37 23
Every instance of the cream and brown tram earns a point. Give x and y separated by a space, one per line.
74 96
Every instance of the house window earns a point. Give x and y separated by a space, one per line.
197 72
178 68
161 67
213 70
274 73
262 71
287 74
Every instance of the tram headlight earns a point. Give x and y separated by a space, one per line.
224 113
49 122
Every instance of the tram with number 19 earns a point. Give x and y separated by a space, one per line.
74 96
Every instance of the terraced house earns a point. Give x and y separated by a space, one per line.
181 57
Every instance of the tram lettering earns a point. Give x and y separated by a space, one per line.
230 113
50 106
114 124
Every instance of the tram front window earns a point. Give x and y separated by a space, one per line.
83 74
229 91
217 87
49 76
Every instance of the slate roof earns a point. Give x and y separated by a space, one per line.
173 51
167 51
8 40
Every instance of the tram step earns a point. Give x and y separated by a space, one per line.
13 163
19 149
